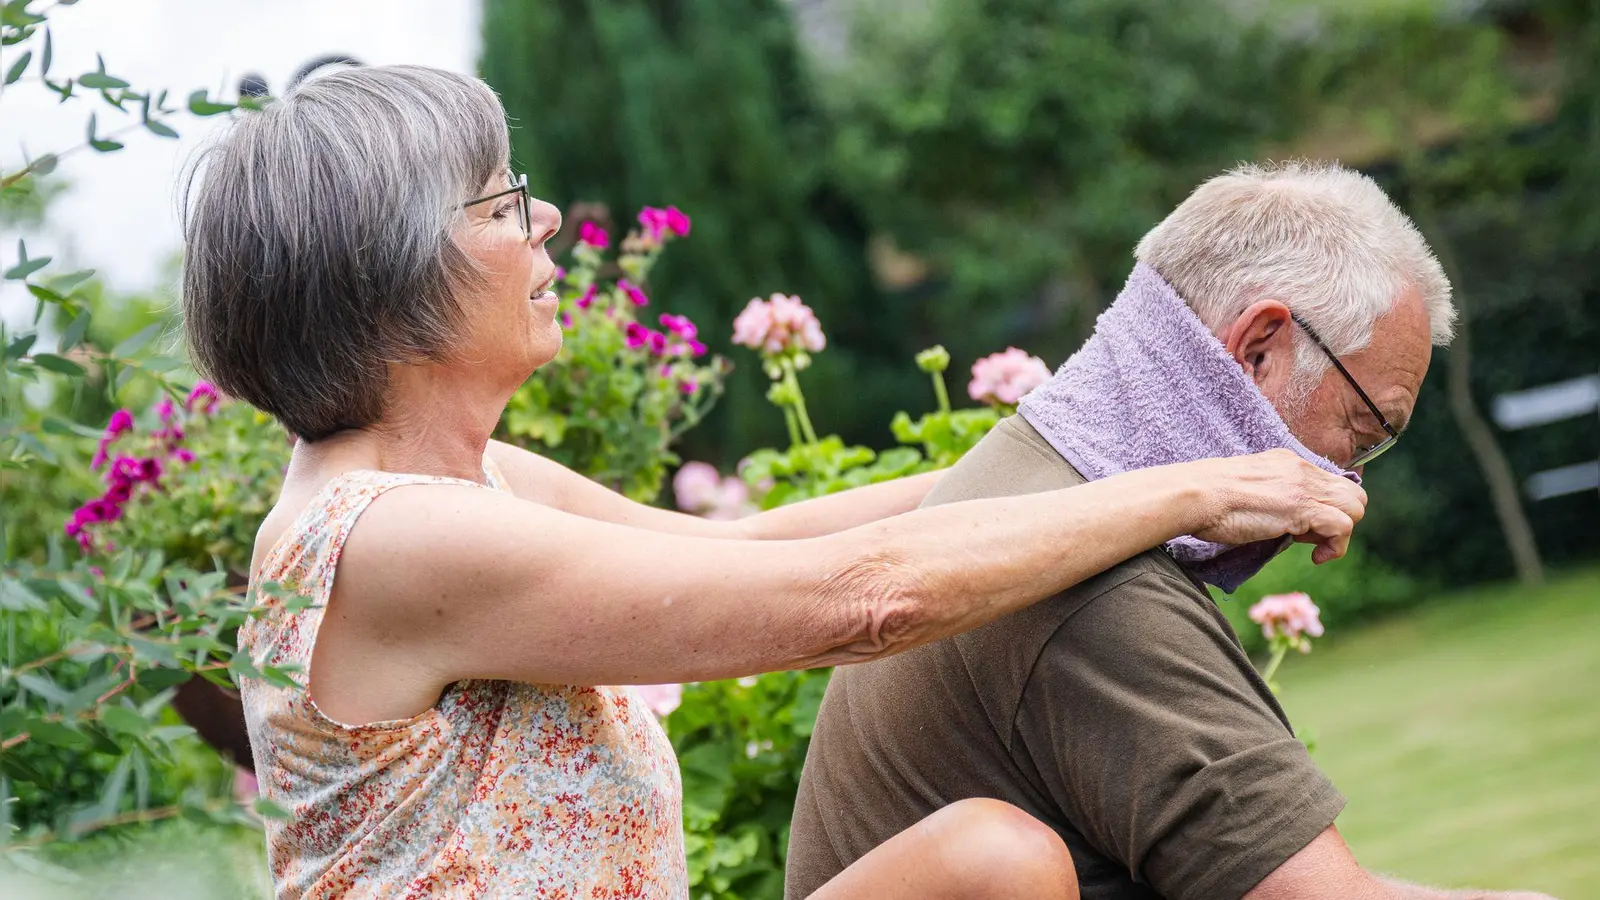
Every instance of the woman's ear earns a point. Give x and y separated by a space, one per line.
1261 340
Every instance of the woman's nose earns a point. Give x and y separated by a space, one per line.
546 219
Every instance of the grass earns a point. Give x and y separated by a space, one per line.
1467 737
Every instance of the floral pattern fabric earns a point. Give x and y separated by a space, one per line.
502 789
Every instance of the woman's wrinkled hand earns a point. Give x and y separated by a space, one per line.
1267 495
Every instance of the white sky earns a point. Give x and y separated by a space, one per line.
120 213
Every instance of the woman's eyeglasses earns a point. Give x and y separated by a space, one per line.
519 186
1378 449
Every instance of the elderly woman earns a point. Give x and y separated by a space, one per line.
359 266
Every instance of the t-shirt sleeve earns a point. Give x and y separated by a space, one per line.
1151 731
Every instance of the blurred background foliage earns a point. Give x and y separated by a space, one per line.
976 172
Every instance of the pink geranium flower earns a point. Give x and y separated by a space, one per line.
1291 616
780 324
1006 377
661 698
700 489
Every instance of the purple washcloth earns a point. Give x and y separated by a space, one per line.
1153 386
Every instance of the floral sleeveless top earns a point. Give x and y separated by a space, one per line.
502 789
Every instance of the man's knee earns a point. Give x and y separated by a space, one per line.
1002 851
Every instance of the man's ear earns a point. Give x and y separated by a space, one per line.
1261 339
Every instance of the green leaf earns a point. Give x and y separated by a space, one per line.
160 363
201 105
19 347
58 364
42 686
103 146
44 165
160 129
160 679
73 336
44 58
49 295
134 343
123 720
15 596
99 80
26 267
266 809
18 67
169 733
16 15
57 734
65 283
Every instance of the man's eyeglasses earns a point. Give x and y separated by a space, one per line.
1377 450
519 186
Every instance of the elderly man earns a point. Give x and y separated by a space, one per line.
1285 307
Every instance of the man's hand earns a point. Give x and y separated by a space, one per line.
1326 870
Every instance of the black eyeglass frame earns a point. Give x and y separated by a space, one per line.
519 186
1379 448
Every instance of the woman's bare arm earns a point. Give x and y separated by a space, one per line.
541 480
442 583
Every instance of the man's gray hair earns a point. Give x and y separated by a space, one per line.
318 245
1322 239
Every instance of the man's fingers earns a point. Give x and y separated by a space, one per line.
1330 532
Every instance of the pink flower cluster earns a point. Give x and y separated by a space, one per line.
1292 616
700 489
778 325
126 473
593 235
657 222
1005 378
661 698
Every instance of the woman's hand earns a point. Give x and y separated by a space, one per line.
1268 495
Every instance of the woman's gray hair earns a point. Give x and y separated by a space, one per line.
1323 239
318 245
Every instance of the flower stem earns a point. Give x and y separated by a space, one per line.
940 392
1279 651
794 426
799 403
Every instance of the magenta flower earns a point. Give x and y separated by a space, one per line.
593 235
781 324
587 300
657 222
633 291
690 387
636 335
566 320
165 410
203 391
1004 378
658 342
1291 616
561 272
679 325
184 455
121 423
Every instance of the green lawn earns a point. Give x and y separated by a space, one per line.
1467 737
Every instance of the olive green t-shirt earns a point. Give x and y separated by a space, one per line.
1123 713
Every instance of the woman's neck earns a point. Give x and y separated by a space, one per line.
437 421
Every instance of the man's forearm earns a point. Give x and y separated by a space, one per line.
841 511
